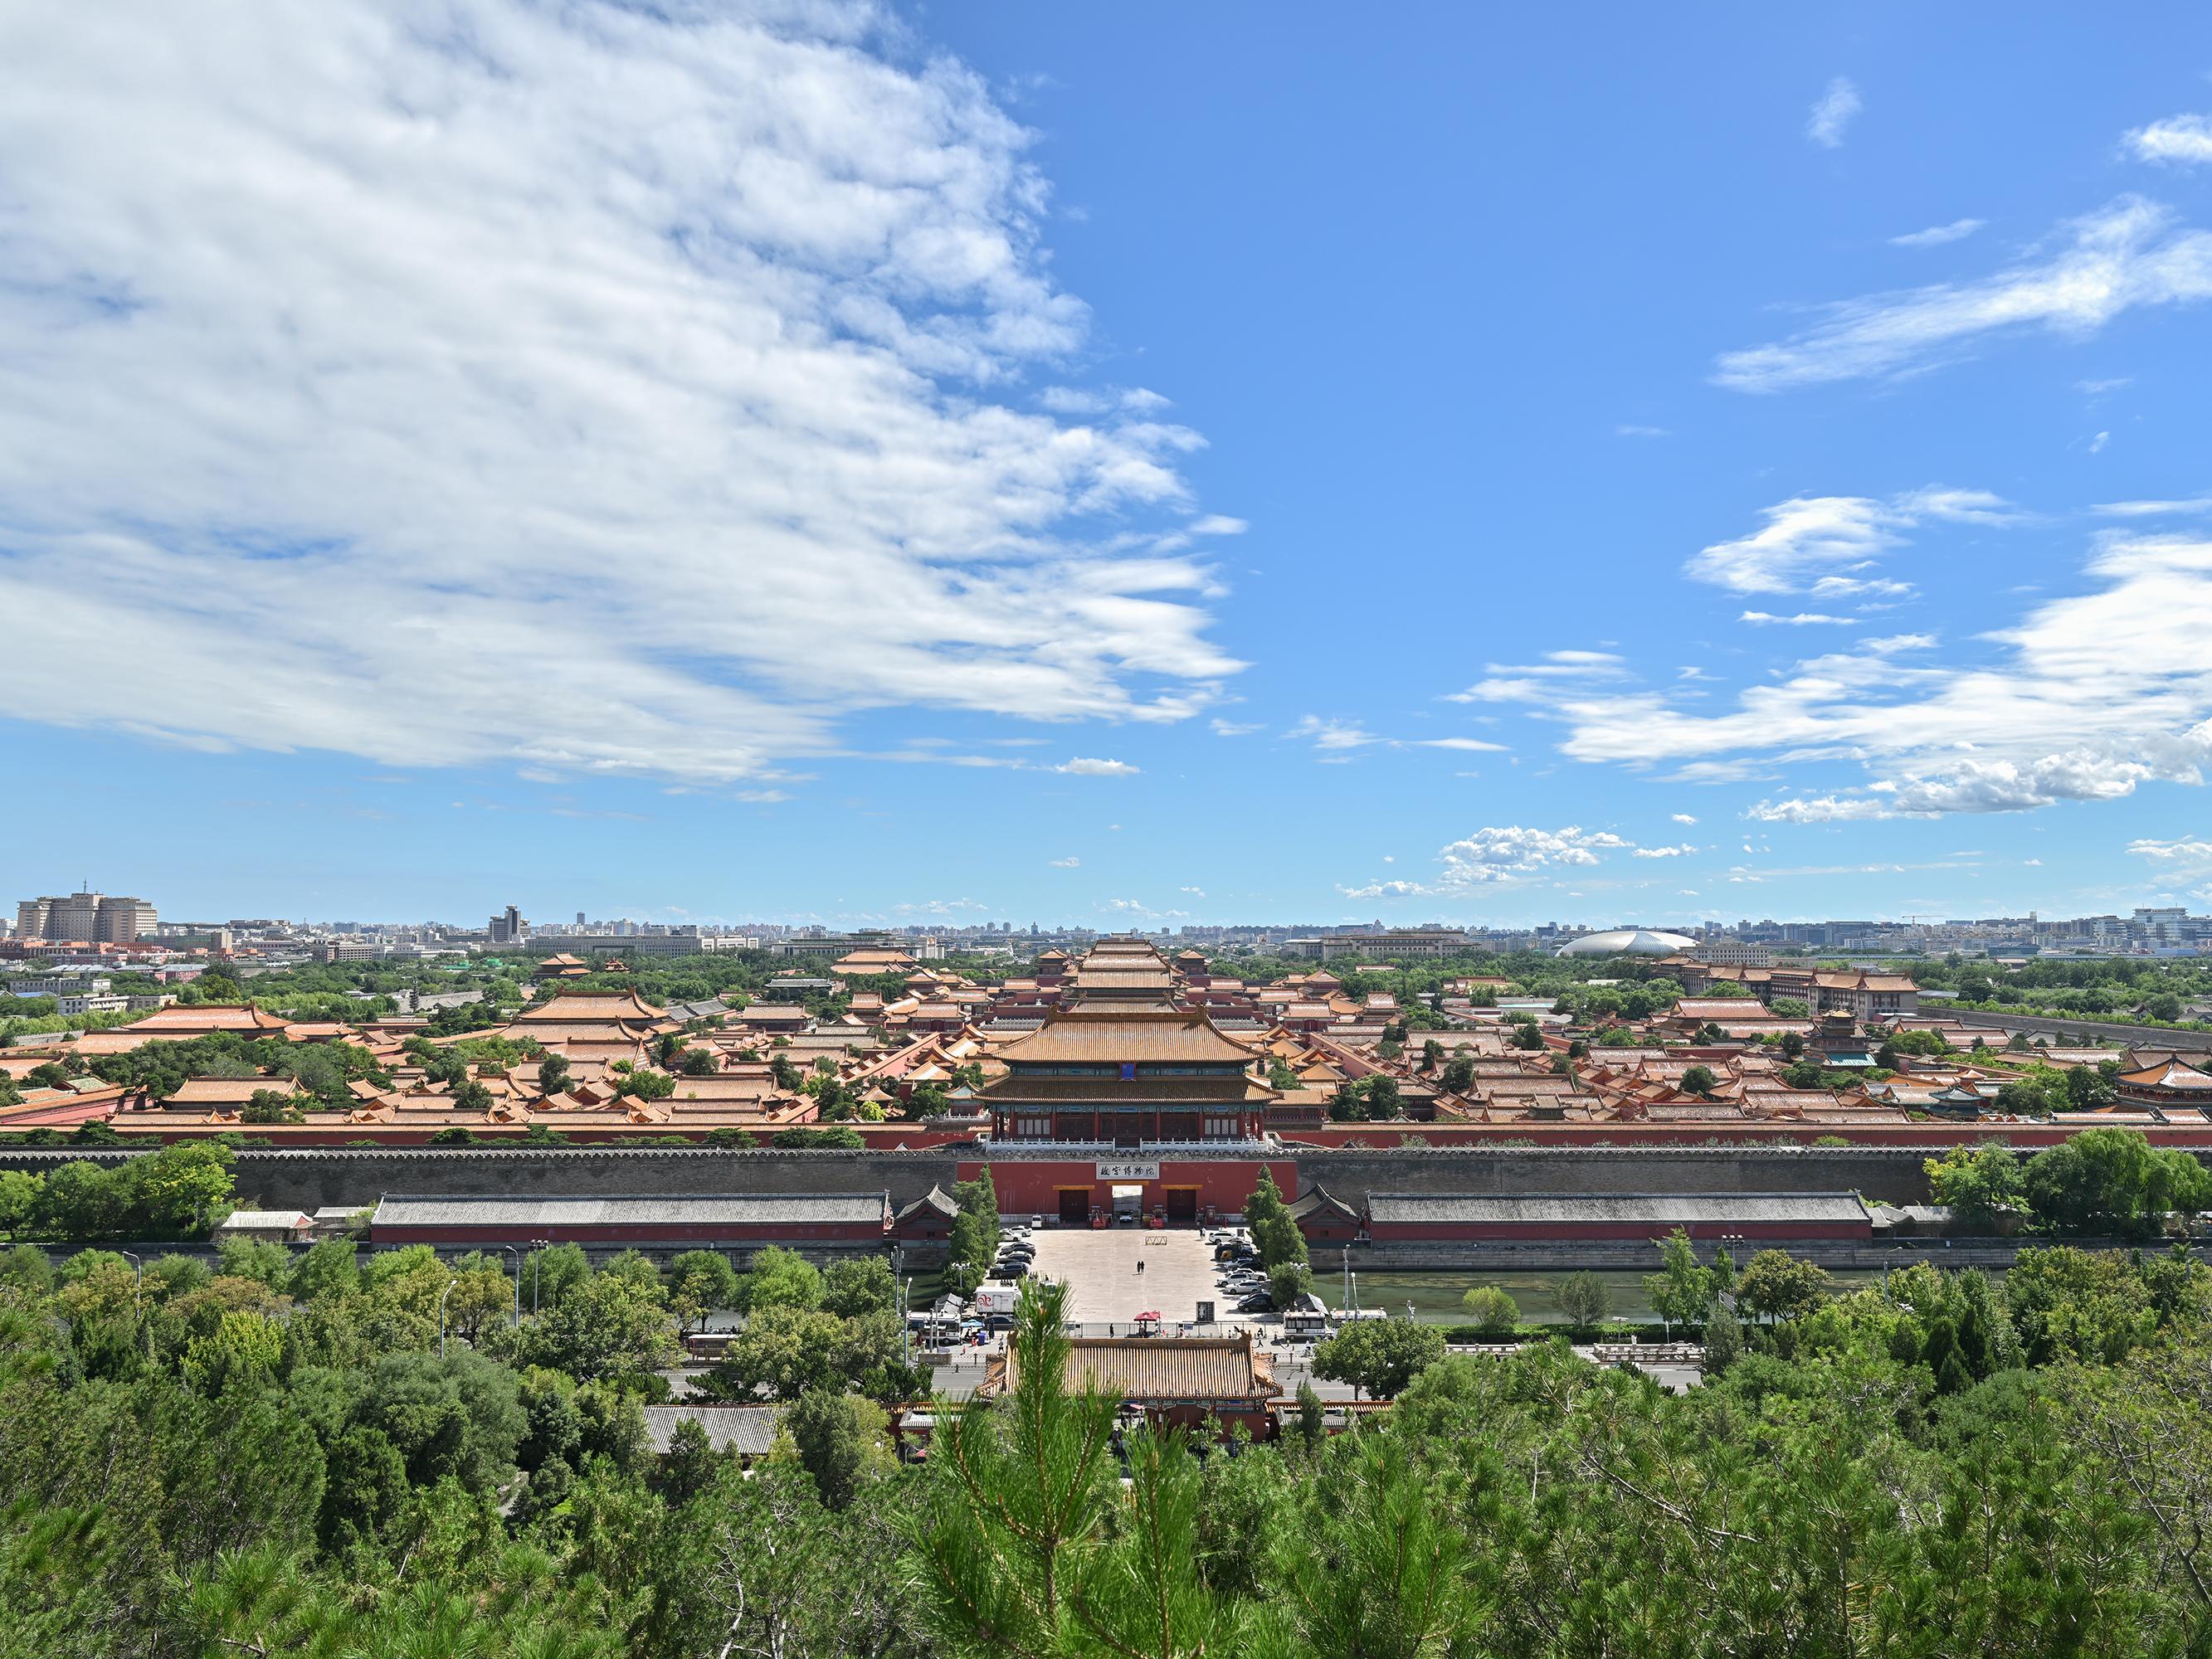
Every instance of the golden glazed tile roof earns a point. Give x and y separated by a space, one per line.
591 1008
1096 1034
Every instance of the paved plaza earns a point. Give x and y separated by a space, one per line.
1099 1266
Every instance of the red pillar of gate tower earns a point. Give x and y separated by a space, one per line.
1185 1190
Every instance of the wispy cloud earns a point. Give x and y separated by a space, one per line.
1834 111
2183 139
2127 254
1803 619
635 340
2186 507
1336 739
1681 852
1936 235
1501 854
1066 864
1332 735
1631 430
2095 694
1824 540
1541 682
1082 767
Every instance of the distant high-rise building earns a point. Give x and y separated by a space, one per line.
89 918
580 918
507 927
121 921
76 917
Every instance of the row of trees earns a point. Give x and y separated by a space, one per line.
276 1458
1839 1497
177 1192
2108 1182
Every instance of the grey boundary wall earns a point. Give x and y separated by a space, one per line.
2066 1027
309 1178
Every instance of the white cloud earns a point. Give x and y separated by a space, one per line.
2188 852
1084 768
1832 113
1633 431
1066 864
1196 892
1499 853
1336 739
1936 236
1828 538
2126 254
1499 856
632 341
1234 728
1332 734
2097 444
1543 681
1387 890
2092 696
1082 400
1683 851
1137 907
1804 618
2188 508
2183 139
1218 523
1684 817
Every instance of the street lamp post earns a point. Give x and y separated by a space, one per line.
442 1295
516 1250
538 1248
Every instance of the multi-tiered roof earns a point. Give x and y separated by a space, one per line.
1122 1061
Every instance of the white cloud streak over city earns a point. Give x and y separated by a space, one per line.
2127 254
2093 694
1501 855
1936 236
1834 113
580 387
1824 545
2183 139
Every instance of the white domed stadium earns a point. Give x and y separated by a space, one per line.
1627 942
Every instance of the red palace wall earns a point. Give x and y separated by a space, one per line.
1033 1186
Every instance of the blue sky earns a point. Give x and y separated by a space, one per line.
1137 464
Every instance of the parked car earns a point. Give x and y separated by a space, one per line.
1259 1302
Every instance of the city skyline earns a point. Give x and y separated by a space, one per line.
992 489
88 916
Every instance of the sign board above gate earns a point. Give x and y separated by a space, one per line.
1129 1171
